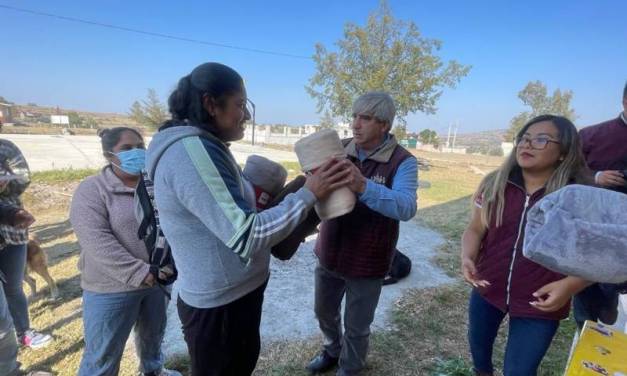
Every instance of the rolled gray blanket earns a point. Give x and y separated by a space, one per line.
580 231
267 177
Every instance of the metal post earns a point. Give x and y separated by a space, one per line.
253 119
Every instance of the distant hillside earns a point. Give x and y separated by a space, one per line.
29 114
484 138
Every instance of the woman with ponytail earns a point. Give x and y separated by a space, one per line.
547 157
220 243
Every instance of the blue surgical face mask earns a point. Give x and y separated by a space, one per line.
131 161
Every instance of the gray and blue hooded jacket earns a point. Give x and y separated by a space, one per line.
220 244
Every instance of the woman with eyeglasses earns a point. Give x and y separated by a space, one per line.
119 292
547 156
220 243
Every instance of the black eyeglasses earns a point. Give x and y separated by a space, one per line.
537 143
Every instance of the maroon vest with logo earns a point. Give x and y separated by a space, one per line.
360 244
513 277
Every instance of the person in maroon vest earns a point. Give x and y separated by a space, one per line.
547 157
356 249
605 150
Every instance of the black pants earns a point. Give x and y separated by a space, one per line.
597 302
223 341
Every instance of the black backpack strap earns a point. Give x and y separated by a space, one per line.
147 209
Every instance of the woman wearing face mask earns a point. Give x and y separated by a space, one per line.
119 292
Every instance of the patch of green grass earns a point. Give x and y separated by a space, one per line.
62 175
293 169
452 367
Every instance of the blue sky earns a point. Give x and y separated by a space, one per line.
578 45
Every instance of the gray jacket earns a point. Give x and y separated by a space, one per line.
220 244
112 258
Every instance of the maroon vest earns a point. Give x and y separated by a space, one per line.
501 255
360 244
605 147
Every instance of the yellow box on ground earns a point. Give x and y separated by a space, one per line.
601 351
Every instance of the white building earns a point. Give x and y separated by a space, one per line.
344 130
507 147
60 119
264 134
6 112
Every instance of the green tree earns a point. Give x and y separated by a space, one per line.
429 137
136 112
76 120
149 112
90 122
535 95
386 54
327 121
154 110
495 150
400 131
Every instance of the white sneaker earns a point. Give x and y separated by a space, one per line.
34 339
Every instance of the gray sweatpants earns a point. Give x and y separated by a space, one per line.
362 297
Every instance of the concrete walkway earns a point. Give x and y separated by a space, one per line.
288 305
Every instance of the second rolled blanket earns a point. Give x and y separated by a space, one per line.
580 231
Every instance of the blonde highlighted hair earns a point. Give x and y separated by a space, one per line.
571 169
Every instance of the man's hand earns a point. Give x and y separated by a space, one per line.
23 219
610 178
357 180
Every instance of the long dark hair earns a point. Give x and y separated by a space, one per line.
571 169
186 101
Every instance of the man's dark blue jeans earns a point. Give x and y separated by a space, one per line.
527 341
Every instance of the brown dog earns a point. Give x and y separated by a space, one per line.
37 261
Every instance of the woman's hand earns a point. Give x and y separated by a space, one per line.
330 176
471 242
149 280
469 271
555 295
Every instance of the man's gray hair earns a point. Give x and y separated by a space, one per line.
378 104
